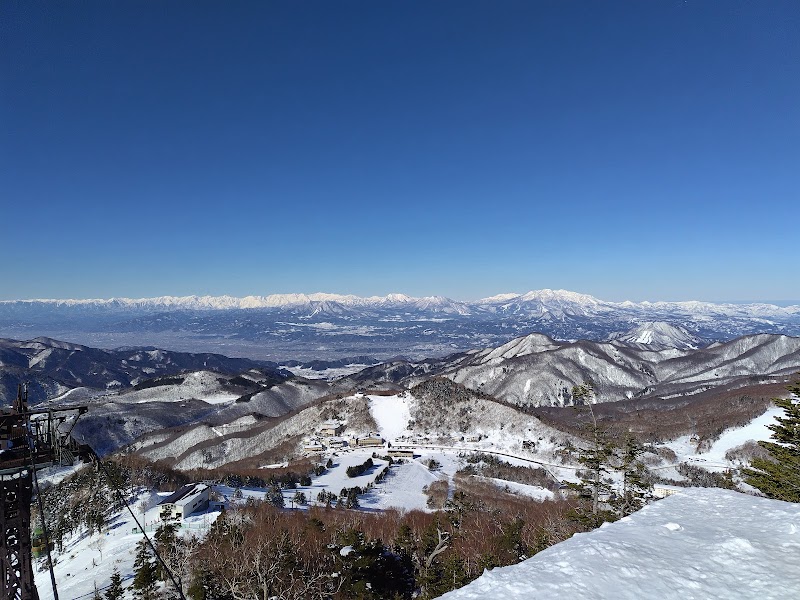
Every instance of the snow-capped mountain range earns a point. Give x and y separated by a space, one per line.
546 300
332 326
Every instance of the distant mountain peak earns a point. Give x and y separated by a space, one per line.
499 298
548 295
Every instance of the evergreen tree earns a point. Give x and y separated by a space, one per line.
370 570
634 485
145 573
115 591
443 576
274 496
779 476
205 586
352 497
166 539
596 460
511 547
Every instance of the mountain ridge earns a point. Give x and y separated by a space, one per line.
543 296
321 326
535 370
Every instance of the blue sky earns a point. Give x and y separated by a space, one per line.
630 150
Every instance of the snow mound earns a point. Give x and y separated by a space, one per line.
701 543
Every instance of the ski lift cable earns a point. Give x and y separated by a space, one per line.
121 498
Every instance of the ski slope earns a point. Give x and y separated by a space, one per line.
392 414
714 457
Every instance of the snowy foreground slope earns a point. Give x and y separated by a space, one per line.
701 544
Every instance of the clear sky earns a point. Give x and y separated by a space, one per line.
630 150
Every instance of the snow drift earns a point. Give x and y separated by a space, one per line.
699 543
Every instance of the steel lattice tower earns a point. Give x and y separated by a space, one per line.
16 569
29 440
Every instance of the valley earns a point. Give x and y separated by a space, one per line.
404 447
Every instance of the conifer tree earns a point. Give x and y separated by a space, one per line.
634 486
274 496
115 591
596 460
145 573
204 586
435 570
166 539
779 476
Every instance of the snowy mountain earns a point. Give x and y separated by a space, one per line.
536 370
134 391
200 402
686 546
536 301
657 335
699 543
332 326
52 367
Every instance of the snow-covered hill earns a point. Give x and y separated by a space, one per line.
657 335
699 543
442 415
535 370
52 367
117 419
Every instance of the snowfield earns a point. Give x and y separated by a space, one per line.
402 489
714 458
334 479
700 544
392 414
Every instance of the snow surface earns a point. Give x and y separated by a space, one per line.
700 543
392 414
402 489
714 458
334 479
90 560
326 374
522 489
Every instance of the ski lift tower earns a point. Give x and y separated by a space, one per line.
29 440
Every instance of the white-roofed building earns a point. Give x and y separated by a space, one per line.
188 499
